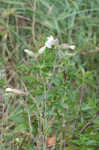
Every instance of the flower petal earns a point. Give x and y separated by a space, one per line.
30 53
42 49
16 91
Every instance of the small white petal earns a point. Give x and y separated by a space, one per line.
42 49
16 91
8 89
29 52
49 42
65 45
50 38
72 47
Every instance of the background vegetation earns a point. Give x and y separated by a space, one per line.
62 91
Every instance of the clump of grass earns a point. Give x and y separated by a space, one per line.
54 93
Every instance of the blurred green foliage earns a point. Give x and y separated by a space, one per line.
62 91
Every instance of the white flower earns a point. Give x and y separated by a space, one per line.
65 45
29 52
16 91
49 42
72 47
42 49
